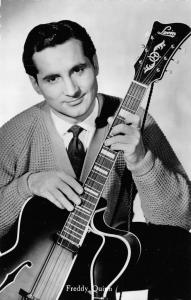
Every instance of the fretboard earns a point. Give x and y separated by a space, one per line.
76 225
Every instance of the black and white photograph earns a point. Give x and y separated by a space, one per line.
95 146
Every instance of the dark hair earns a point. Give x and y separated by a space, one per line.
52 34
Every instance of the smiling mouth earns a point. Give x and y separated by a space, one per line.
76 101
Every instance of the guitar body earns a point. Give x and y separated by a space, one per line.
94 273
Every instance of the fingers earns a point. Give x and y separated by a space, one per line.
58 187
129 119
57 198
72 182
68 193
124 134
127 137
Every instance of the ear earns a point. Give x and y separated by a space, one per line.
96 65
35 84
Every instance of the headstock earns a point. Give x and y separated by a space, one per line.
164 41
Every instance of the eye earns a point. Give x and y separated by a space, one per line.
79 69
53 79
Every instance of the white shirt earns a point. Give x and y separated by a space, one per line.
62 127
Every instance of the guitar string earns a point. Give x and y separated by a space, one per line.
47 283
56 276
94 176
46 278
87 206
43 275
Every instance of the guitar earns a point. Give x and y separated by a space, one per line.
52 261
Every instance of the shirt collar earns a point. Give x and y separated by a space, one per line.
88 124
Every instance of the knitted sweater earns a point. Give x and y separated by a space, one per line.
28 144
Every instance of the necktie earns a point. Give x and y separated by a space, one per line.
76 150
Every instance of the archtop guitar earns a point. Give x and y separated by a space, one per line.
61 255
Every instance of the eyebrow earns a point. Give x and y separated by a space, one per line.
50 76
79 65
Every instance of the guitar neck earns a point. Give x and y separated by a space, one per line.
76 225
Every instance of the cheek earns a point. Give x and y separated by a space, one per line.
88 83
51 93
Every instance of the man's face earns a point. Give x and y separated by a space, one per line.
67 79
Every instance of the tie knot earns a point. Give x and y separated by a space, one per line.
75 130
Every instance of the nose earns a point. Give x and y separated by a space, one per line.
71 88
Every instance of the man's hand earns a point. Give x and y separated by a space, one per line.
127 137
56 186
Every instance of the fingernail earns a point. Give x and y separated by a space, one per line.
78 202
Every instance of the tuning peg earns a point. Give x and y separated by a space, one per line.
169 71
143 46
176 61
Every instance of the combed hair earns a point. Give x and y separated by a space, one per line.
52 34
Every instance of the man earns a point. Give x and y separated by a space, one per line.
62 65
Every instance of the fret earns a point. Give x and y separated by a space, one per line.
132 102
137 85
106 162
94 185
68 245
87 212
91 192
137 91
76 233
87 197
100 170
99 177
89 204
133 97
118 120
108 153
73 222
131 110
70 238
81 219
62 238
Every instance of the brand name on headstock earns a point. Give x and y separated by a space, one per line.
167 31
